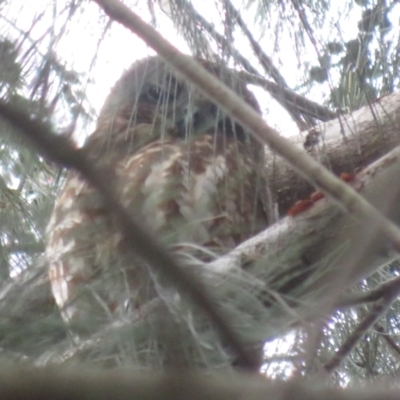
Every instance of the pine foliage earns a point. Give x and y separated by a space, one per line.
342 56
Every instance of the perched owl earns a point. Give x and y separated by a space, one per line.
193 177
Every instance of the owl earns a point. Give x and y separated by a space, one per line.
180 165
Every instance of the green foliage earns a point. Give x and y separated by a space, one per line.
27 182
367 64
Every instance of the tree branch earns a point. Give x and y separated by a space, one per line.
346 144
306 262
62 151
373 316
184 6
302 162
388 339
287 97
123 384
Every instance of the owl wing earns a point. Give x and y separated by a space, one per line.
203 193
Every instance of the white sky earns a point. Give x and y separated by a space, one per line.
120 48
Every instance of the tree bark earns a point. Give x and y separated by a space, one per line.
346 144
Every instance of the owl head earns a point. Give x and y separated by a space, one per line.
150 101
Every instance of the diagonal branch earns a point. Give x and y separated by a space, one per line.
374 315
291 108
287 96
388 339
292 245
369 296
60 149
303 163
265 61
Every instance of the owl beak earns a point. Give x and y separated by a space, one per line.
198 118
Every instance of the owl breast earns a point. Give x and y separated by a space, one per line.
200 193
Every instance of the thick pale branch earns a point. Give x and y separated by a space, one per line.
345 144
310 259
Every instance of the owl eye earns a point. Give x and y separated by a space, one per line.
160 93
155 93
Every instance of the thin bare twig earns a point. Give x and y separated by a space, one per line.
354 299
388 339
60 149
265 61
271 70
243 61
373 316
287 96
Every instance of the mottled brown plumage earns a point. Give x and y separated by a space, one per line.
181 166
